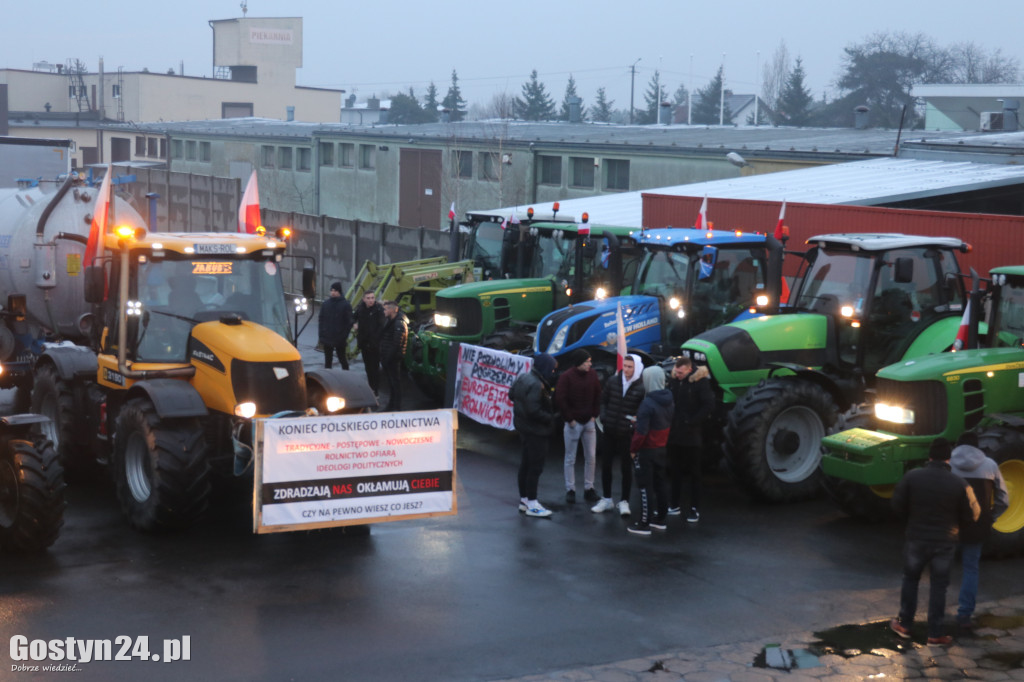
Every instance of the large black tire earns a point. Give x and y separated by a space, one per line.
54 398
773 439
161 470
1006 446
867 503
31 495
509 340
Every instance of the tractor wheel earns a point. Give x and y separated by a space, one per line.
865 502
160 467
1006 446
773 439
31 495
54 398
510 341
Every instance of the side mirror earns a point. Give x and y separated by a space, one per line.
95 291
903 271
309 282
708 258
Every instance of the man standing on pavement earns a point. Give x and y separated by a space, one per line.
983 475
392 349
691 391
647 449
334 326
578 397
620 399
533 416
369 317
935 502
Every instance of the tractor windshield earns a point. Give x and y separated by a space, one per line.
731 287
834 280
1007 327
484 247
173 296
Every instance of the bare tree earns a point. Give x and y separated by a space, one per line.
971 63
774 74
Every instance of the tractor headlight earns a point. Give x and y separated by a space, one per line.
894 413
301 304
674 303
559 340
762 300
245 410
601 293
334 403
442 320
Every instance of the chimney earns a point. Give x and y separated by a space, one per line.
372 103
575 109
350 101
446 116
860 117
665 113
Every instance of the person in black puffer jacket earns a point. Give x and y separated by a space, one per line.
533 416
334 325
392 349
694 400
369 317
620 398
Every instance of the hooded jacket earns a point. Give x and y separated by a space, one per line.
393 339
335 321
935 503
654 416
618 404
693 403
982 474
533 413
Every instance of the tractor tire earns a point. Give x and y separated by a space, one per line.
871 503
773 439
161 470
31 495
1006 446
510 341
54 398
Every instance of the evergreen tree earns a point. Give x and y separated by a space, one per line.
453 101
795 101
681 96
653 98
707 101
535 105
570 91
405 108
603 107
430 104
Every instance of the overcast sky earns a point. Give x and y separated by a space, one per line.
383 46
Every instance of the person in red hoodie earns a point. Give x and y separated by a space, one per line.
578 398
653 422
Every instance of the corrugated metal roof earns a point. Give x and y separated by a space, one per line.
858 183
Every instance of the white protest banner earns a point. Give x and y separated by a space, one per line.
482 379
318 472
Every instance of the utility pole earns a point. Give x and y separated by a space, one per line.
632 80
721 99
689 96
757 86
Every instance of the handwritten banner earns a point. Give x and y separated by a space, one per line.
482 379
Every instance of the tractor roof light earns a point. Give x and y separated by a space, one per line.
284 233
260 231
529 213
126 232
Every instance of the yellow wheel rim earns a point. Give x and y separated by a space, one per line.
1012 520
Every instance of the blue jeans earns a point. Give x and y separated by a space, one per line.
971 557
938 556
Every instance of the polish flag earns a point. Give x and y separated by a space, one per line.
249 209
961 333
702 215
451 212
782 216
99 219
620 338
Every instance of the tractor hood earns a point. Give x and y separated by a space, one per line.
593 325
497 287
955 366
756 343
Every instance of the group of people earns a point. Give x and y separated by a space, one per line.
650 426
381 334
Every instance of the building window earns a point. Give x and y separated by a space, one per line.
551 170
284 158
582 171
204 152
326 153
190 150
462 164
267 156
616 174
235 109
177 149
489 165
346 154
366 156
304 159
115 91
163 148
151 147
140 145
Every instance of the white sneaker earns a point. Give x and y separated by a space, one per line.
623 508
537 509
523 506
603 505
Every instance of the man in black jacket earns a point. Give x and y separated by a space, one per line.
334 326
369 317
392 349
533 416
935 502
620 399
691 391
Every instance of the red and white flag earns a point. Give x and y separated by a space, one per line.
782 216
99 219
961 333
451 212
620 338
702 215
249 209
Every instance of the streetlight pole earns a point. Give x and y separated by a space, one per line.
721 98
632 79
757 85
689 96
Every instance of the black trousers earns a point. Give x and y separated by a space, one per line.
652 482
329 352
371 360
616 446
393 374
531 463
938 557
684 460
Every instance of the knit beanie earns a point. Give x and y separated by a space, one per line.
336 286
578 357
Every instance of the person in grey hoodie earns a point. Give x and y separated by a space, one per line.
647 448
982 474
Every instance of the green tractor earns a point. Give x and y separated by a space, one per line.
917 401
540 267
783 382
